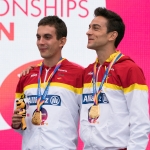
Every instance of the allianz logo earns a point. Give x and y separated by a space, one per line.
89 98
54 100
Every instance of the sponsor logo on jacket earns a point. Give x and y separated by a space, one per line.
88 98
54 100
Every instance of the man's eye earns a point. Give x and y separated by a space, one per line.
96 28
38 38
47 37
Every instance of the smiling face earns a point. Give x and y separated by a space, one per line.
97 34
47 42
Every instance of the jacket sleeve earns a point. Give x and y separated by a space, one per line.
19 92
137 101
79 83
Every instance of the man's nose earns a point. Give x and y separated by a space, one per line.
89 32
41 40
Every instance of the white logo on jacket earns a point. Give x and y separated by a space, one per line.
33 75
90 73
62 70
55 100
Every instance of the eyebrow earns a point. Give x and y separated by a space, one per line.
94 25
47 34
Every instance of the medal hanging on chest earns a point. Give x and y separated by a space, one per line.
37 118
94 111
37 115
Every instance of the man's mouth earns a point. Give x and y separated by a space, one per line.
90 40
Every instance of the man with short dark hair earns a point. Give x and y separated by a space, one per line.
114 112
52 93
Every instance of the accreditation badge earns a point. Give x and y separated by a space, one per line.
37 118
94 113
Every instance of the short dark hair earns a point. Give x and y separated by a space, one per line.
115 22
59 24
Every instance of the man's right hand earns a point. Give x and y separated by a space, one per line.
26 71
16 119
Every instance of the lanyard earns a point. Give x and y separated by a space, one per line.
41 99
96 93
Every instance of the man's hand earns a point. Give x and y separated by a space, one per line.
26 71
16 119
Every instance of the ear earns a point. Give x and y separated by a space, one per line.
62 41
113 35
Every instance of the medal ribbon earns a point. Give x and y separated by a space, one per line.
41 99
95 92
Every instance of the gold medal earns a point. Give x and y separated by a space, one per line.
94 112
36 118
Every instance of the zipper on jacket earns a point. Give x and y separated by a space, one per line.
47 70
98 72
